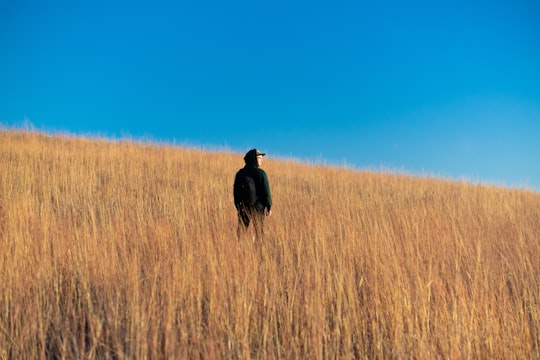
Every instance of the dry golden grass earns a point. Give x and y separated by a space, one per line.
124 250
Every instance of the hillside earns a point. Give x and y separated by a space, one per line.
125 250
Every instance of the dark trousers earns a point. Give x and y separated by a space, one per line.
253 216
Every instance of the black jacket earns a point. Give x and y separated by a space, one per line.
264 199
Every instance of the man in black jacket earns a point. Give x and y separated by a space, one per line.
252 208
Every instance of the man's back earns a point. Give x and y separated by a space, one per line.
260 180
245 189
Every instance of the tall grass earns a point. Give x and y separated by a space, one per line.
125 250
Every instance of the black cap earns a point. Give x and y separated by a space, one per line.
251 155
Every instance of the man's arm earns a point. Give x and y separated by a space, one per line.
267 200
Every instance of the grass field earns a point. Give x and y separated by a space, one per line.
122 250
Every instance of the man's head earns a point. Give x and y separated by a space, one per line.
254 156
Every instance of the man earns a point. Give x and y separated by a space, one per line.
252 197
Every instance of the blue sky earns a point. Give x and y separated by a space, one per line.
446 88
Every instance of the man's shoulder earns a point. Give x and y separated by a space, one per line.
251 171
242 171
246 172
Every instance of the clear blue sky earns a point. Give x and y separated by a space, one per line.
448 88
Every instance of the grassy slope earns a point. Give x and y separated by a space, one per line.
124 250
